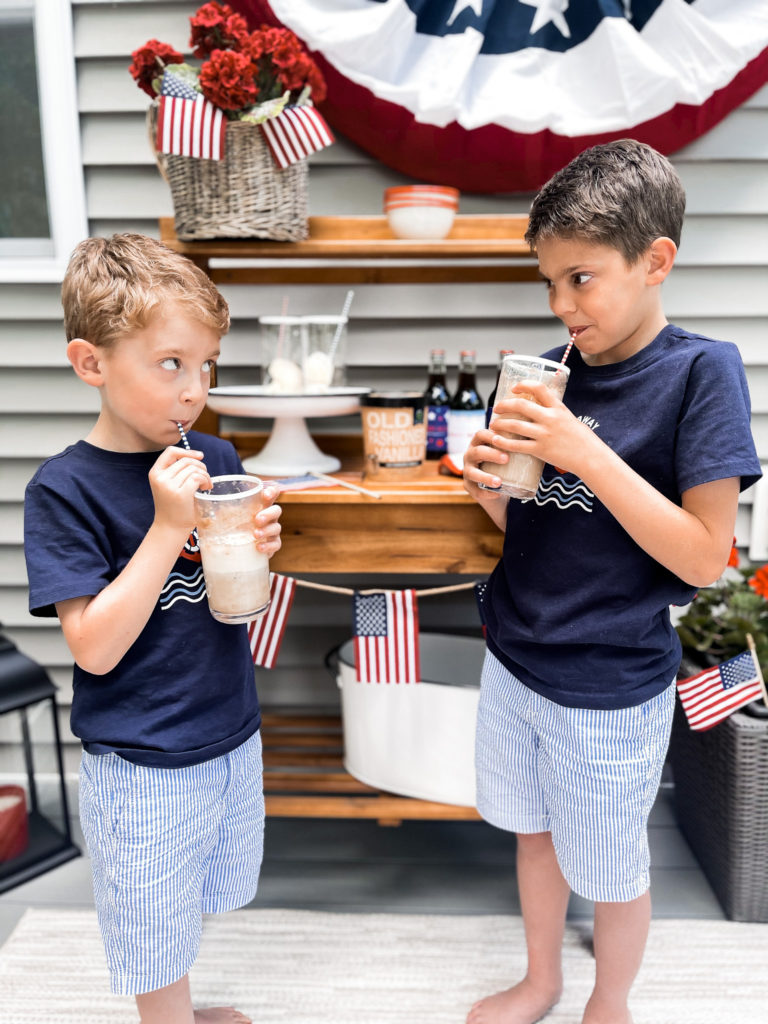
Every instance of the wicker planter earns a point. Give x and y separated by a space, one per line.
242 196
721 802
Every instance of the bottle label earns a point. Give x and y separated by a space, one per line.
437 429
463 424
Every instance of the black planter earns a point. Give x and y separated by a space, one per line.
721 803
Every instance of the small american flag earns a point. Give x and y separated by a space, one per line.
295 134
386 630
266 633
712 695
175 85
190 127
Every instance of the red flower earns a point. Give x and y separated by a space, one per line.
733 558
217 27
240 68
149 61
227 80
759 582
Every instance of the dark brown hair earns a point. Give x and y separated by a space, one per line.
623 194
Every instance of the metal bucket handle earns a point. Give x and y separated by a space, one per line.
331 661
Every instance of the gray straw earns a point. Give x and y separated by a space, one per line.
184 440
340 326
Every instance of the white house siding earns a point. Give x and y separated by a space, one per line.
720 287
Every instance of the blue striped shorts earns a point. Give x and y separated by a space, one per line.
588 777
168 845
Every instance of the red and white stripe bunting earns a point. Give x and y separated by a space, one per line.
190 128
266 633
296 133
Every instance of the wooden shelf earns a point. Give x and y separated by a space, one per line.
478 249
304 777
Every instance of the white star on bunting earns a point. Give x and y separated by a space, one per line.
549 10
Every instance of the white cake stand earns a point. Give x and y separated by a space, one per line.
290 449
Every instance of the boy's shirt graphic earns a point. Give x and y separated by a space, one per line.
565 490
185 582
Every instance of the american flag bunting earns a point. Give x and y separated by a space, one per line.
714 694
295 134
190 128
386 631
265 634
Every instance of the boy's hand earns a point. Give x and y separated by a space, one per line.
546 427
174 478
266 526
481 450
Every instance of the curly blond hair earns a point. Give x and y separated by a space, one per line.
116 285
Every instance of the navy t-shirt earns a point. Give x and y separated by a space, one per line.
575 608
185 691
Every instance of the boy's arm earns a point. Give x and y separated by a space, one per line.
692 541
494 503
99 630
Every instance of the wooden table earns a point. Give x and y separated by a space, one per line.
424 525
428 524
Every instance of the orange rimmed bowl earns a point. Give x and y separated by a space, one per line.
421 211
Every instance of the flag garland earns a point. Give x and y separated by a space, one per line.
425 86
386 632
295 134
265 634
188 127
712 695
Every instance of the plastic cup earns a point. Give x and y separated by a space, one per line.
236 572
324 352
281 354
520 475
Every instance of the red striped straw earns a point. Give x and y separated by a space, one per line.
568 348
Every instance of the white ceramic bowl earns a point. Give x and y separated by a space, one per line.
427 222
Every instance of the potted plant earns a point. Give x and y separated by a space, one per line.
248 179
721 775
721 617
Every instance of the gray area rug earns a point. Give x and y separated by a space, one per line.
305 967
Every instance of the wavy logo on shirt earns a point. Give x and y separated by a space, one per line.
564 494
179 587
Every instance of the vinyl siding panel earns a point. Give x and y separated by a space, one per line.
720 288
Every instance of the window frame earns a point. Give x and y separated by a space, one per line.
62 156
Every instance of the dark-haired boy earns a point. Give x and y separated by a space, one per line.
646 456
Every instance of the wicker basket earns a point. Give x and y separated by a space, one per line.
245 195
721 801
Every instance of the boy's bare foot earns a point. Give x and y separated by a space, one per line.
521 1004
221 1015
595 1014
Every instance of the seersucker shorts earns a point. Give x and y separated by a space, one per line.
168 845
588 777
